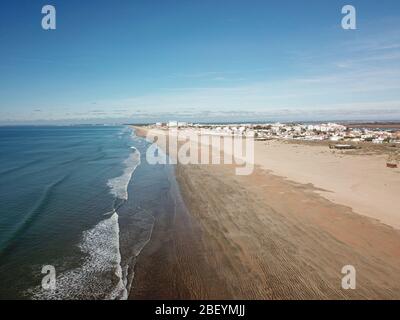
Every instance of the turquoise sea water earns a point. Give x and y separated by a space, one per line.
69 195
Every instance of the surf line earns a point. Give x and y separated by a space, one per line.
122 284
121 197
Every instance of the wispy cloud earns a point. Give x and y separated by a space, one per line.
359 77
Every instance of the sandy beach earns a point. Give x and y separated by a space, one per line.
283 232
355 179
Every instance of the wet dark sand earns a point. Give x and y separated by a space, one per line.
262 237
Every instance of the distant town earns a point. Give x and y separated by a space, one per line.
295 131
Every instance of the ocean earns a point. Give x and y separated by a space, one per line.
80 199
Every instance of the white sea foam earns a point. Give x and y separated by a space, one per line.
119 185
100 275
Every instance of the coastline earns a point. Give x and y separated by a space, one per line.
263 237
171 266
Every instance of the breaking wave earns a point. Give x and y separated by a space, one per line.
119 185
100 276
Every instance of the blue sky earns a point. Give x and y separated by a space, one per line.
199 60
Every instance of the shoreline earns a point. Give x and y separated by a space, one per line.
263 237
171 265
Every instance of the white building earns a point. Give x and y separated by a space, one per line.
182 124
172 124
